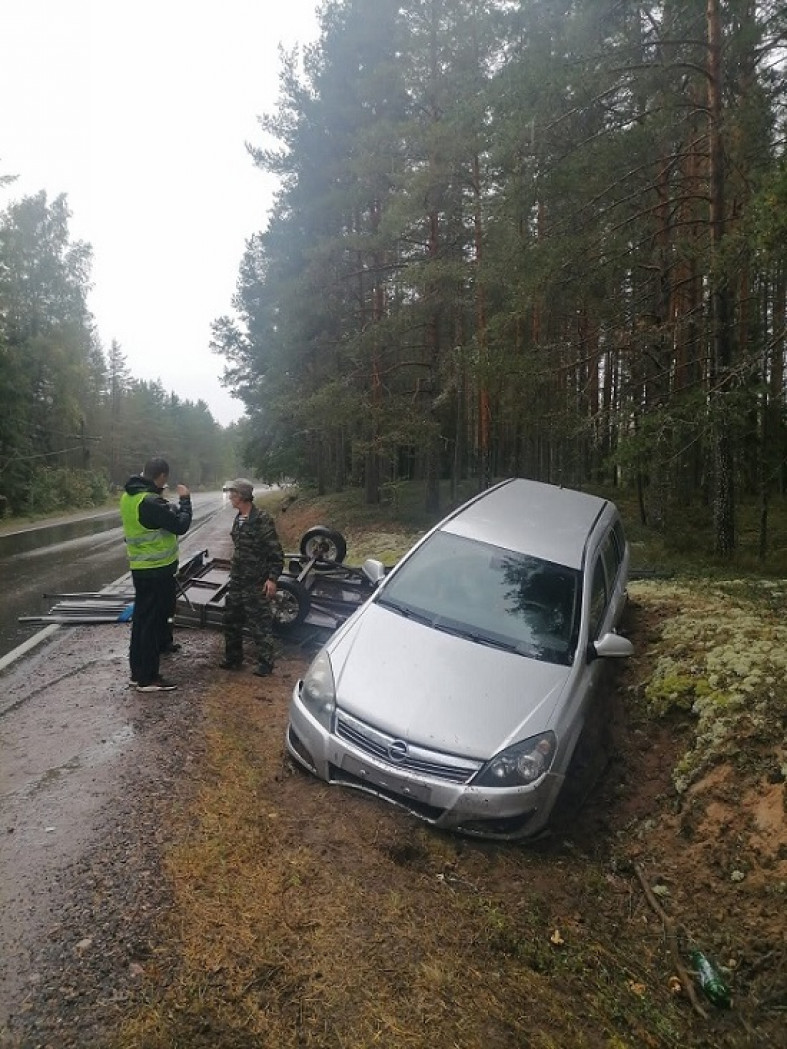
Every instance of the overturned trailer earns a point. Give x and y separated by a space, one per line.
316 592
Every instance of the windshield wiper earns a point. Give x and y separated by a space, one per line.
476 635
405 610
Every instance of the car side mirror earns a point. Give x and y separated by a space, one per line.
373 570
610 646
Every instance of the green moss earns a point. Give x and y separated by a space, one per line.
672 692
722 657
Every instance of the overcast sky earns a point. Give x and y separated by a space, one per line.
139 112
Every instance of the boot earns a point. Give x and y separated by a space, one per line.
233 660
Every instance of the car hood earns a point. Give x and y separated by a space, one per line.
440 691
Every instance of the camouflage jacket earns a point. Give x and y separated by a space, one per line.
257 552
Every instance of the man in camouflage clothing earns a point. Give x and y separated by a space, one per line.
257 563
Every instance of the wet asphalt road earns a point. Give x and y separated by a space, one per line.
82 553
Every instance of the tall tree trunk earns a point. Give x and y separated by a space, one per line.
776 391
372 471
721 355
484 400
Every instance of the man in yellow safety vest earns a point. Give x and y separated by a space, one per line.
151 527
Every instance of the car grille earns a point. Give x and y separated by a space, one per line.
423 762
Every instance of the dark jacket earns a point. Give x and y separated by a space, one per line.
258 554
156 513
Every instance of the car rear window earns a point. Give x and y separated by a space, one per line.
492 595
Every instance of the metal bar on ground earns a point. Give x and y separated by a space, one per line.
68 619
98 595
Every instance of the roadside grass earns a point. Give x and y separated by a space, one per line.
309 917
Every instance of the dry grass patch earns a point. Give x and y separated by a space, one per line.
294 929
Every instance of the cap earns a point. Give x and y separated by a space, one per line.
242 486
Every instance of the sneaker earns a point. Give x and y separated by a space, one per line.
231 664
264 669
159 685
133 683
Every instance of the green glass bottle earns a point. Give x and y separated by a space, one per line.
713 986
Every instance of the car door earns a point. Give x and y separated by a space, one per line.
615 554
606 597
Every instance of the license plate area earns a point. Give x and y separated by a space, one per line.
386 781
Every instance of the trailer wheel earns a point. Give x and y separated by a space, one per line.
324 544
291 603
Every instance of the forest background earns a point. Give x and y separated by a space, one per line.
75 423
543 239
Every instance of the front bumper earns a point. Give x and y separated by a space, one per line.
503 813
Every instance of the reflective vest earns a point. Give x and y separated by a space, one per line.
146 547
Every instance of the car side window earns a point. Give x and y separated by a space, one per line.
619 538
598 598
612 556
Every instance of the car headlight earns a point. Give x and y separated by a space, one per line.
318 692
519 765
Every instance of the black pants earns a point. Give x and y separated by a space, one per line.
154 603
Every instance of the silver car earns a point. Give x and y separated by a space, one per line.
460 688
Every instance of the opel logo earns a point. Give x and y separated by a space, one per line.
397 751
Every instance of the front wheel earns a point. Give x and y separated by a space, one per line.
323 544
291 604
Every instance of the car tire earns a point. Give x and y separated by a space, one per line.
323 544
291 604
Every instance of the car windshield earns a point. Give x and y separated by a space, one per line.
490 595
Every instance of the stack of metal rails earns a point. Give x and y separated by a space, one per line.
103 606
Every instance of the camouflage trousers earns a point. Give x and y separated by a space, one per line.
248 612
